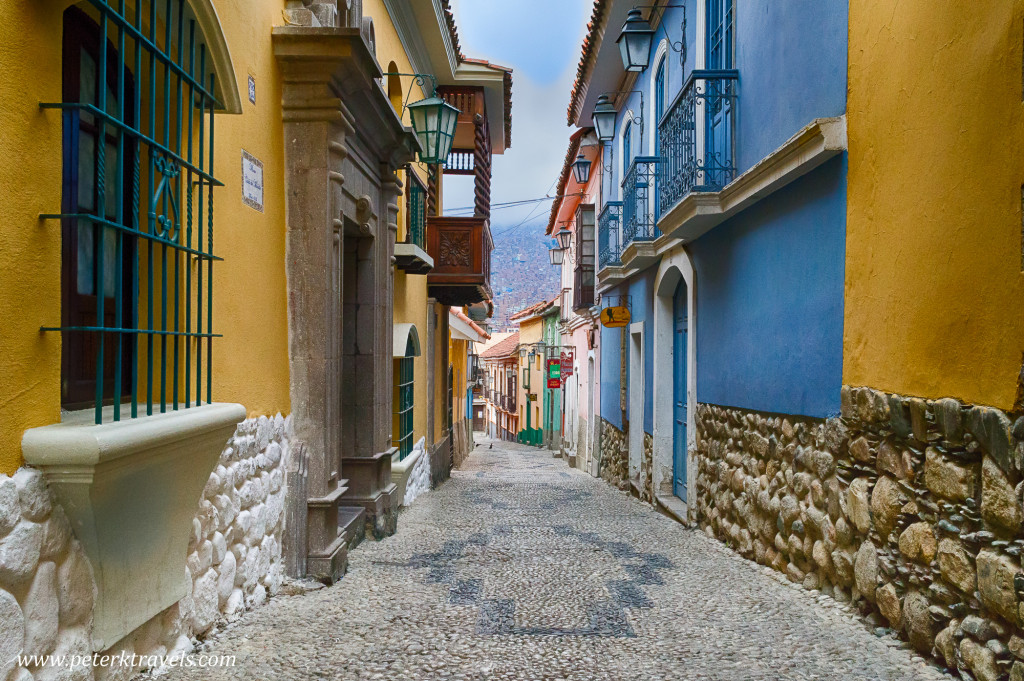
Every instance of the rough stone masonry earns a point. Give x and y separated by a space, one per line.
908 508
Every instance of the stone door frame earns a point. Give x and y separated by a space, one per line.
676 266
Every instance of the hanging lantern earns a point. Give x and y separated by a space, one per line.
604 119
557 256
581 169
635 41
564 237
434 121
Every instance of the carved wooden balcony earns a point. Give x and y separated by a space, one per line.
461 250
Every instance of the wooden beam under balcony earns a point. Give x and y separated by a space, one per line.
461 249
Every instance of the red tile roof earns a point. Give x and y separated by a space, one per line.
591 43
505 348
536 308
563 179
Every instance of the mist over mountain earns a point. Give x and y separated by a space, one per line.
521 270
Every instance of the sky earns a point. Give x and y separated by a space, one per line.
541 41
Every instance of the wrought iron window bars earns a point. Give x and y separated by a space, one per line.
173 129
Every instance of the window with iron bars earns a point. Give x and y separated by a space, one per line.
137 209
402 426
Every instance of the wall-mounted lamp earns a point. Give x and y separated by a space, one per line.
434 121
637 35
581 169
604 119
635 41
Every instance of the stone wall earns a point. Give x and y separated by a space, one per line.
614 467
47 590
419 476
646 481
909 508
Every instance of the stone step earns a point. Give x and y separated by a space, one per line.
352 522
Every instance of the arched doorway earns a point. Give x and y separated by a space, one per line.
675 390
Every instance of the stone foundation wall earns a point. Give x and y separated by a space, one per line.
47 590
419 476
614 468
647 470
910 508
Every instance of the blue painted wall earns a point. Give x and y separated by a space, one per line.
770 300
640 289
792 59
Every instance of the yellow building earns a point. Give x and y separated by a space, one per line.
532 368
201 300
934 270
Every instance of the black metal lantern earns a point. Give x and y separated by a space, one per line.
434 121
581 169
557 256
564 237
635 41
604 119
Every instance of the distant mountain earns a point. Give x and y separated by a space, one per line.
521 271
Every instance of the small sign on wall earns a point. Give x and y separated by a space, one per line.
252 181
252 90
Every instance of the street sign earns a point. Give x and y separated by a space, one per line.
614 317
554 374
568 359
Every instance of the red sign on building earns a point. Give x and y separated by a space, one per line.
568 359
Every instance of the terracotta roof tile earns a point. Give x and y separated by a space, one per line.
505 348
563 179
592 41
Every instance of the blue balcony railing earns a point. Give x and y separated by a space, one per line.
609 240
638 209
685 167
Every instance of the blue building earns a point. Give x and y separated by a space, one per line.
721 226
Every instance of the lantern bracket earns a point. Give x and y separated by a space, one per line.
677 46
419 79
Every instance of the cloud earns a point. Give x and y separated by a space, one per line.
540 40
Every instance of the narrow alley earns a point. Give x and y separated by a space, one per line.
522 568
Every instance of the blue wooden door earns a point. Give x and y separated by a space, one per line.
679 354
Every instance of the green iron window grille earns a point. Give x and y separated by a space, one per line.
417 207
404 388
137 291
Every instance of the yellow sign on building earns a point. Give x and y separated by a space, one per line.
614 317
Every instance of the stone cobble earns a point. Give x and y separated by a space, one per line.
523 568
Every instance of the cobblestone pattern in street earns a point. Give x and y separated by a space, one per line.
523 568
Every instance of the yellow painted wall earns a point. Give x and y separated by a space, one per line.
30 143
530 331
934 289
250 305
440 401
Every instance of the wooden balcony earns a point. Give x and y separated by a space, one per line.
461 250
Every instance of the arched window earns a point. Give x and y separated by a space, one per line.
407 348
395 88
139 89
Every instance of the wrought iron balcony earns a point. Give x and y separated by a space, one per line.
638 210
609 236
708 99
461 250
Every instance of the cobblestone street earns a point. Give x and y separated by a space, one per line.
522 568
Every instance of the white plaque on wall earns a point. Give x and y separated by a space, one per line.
252 181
